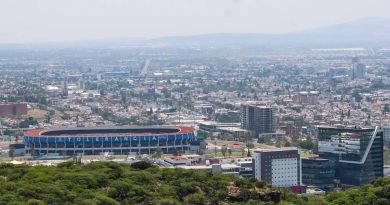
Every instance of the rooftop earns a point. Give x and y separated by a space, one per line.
133 131
282 149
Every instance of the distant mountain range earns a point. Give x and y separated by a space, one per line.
367 32
363 32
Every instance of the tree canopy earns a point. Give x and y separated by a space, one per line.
144 183
113 183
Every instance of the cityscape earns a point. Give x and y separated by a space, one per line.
301 118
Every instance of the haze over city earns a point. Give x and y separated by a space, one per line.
195 102
68 20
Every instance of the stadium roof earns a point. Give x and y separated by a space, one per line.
109 131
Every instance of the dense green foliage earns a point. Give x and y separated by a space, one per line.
27 122
377 193
143 183
307 144
112 183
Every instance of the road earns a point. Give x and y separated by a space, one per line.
145 68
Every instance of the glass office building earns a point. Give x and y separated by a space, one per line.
318 172
356 152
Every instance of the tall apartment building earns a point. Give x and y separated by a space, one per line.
13 109
279 167
356 152
358 69
258 119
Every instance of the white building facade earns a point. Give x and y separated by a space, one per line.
280 167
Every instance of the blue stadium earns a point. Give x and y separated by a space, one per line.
118 140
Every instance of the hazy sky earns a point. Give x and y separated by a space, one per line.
64 20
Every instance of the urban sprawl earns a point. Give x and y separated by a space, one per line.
312 120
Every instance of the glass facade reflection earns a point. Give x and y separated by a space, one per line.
318 172
356 152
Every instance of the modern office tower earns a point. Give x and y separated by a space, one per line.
318 172
279 167
358 69
258 119
386 136
356 152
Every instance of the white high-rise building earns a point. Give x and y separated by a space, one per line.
280 167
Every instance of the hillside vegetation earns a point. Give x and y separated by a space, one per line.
142 183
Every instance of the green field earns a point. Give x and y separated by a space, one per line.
219 154
306 154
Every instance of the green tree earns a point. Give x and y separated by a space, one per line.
243 152
278 142
35 202
166 93
113 183
158 153
230 152
65 116
11 153
287 143
195 199
307 144
141 165
167 201
223 151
